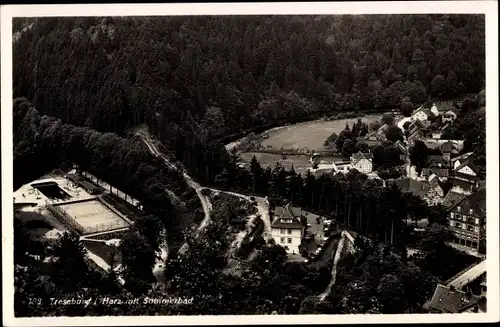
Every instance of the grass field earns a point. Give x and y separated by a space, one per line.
310 135
300 162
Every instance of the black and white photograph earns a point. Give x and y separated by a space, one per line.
317 163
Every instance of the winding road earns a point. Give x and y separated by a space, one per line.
261 203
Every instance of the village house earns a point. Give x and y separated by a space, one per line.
465 177
449 300
416 131
403 151
383 129
342 166
372 139
448 149
430 192
457 161
286 229
423 114
441 173
362 162
452 198
467 220
449 116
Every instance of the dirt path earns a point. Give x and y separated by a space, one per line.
336 259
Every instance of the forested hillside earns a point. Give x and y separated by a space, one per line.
196 79
43 143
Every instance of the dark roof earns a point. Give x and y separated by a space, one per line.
464 185
409 185
429 112
451 301
462 156
401 147
371 143
477 201
287 212
452 198
375 136
447 147
440 172
445 127
360 155
238 220
293 225
437 159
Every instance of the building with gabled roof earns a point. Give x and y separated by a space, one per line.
402 149
449 300
286 228
424 114
467 220
457 161
409 185
432 193
362 162
452 198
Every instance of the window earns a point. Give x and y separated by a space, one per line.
452 214
282 231
457 216
476 229
451 223
464 226
289 231
477 221
289 240
458 225
464 218
282 240
459 209
471 211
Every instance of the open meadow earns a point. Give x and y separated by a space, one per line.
311 135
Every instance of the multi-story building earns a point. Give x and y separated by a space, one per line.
286 229
467 220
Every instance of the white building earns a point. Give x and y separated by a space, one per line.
449 116
424 114
342 167
362 162
286 229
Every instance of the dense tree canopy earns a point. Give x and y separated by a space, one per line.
193 79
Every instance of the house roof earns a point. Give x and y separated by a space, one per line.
356 157
434 160
401 147
408 185
440 172
469 164
448 147
452 198
450 111
383 128
462 156
451 301
375 135
287 212
445 127
477 201
428 112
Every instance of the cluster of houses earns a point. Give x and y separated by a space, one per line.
449 168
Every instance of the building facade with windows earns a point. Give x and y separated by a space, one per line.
467 220
286 229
